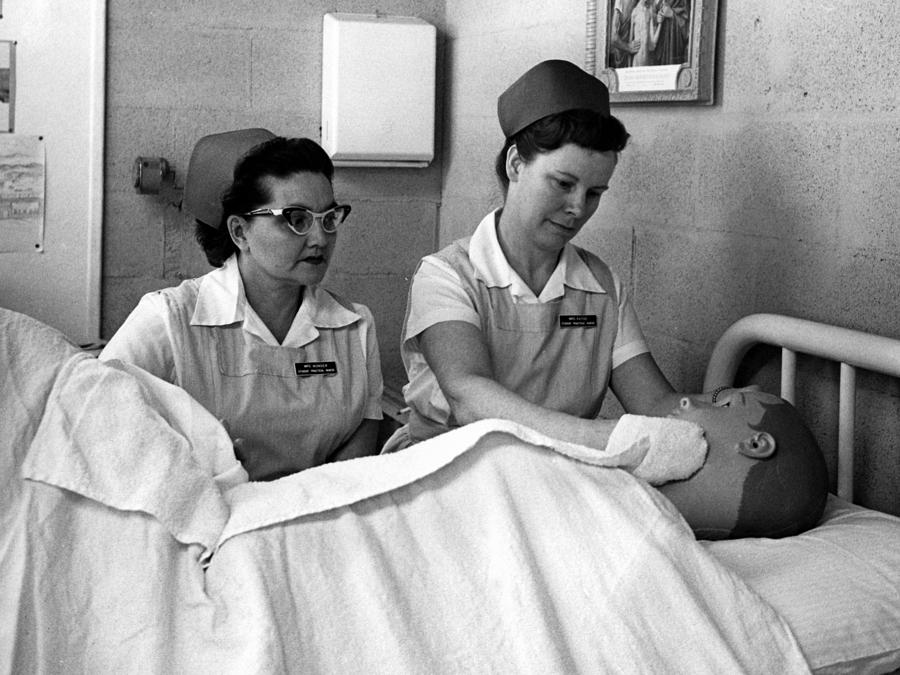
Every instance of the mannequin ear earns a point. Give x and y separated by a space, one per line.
760 445
513 163
237 229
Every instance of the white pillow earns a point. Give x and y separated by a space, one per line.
837 585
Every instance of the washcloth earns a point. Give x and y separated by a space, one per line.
673 449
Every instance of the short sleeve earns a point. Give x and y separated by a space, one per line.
630 341
373 363
437 295
144 339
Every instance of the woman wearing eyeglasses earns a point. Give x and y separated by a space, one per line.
292 370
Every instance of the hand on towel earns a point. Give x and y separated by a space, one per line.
243 453
254 461
672 449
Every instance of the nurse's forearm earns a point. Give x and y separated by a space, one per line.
477 398
665 405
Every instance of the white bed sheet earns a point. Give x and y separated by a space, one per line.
492 553
838 586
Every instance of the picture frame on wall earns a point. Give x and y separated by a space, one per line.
7 85
651 51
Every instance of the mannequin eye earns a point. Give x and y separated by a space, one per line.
725 400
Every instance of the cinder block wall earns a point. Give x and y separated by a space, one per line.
180 70
780 197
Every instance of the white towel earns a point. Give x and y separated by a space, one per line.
126 439
334 485
503 556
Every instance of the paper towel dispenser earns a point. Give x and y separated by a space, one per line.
378 90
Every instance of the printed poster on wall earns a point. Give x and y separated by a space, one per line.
21 193
7 84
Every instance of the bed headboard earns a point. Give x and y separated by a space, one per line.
852 349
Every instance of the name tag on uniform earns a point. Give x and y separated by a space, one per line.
577 320
316 368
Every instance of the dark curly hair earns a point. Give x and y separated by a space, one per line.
278 157
586 128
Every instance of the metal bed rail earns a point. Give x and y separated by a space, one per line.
850 348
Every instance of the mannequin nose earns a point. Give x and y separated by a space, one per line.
689 403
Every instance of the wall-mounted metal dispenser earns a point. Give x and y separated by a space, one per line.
154 176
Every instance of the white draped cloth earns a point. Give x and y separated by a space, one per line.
130 543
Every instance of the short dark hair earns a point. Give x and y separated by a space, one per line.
586 128
278 157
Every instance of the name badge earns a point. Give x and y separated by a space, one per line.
577 320
316 368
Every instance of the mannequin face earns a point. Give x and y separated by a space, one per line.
764 474
551 197
732 424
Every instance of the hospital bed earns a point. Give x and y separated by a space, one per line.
838 584
130 542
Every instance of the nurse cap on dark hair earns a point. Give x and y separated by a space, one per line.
548 88
211 171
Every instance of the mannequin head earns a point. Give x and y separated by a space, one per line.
764 476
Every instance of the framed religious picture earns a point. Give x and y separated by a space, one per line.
650 51
7 85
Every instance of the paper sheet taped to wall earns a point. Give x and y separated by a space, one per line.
21 193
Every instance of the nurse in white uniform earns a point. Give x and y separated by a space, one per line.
292 370
515 322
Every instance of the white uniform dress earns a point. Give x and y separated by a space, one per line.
557 349
293 404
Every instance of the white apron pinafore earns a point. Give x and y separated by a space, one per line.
293 407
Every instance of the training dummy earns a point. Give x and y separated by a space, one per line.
764 474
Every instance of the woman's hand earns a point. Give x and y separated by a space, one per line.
243 453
